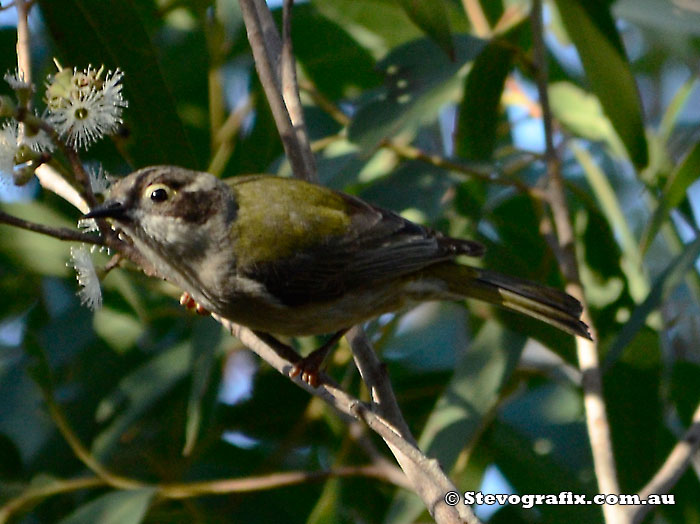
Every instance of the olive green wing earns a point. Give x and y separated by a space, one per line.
307 243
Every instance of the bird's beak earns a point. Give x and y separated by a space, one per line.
109 209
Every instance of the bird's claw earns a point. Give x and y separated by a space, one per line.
308 369
191 304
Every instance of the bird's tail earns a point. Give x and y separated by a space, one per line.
544 303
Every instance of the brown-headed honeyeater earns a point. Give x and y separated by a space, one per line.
284 256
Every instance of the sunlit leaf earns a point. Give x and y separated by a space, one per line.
581 113
119 507
431 17
593 31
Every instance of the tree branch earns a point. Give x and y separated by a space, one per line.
290 94
264 39
587 351
61 233
672 469
426 477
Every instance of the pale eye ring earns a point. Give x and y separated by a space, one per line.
159 195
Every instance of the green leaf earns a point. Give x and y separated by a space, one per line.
479 109
376 25
610 206
431 17
420 80
581 113
206 340
664 284
593 31
120 507
140 390
682 177
32 251
112 33
119 329
333 60
459 415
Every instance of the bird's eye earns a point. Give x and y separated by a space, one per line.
158 193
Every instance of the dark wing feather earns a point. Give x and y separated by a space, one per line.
379 245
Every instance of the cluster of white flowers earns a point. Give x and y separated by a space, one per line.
12 138
91 293
84 106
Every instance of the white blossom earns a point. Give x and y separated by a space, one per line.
17 81
85 107
91 293
8 149
99 180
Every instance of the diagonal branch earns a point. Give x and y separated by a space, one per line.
672 469
425 475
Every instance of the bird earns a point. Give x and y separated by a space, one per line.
288 257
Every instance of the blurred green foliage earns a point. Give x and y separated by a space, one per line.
159 396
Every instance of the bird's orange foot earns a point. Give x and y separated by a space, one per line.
190 303
309 369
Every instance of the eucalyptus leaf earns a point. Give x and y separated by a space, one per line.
687 172
140 390
660 289
119 507
479 110
420 79
432 18
593 31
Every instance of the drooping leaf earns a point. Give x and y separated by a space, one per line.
593 31
479 109
431 17
206 339
581 113
334 61
140 390
119 507
662 286
678 183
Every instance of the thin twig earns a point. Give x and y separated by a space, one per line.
273 481
38 493
672 469
24 60
61 233
413 153
596 417
290 94
82 452
265 63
